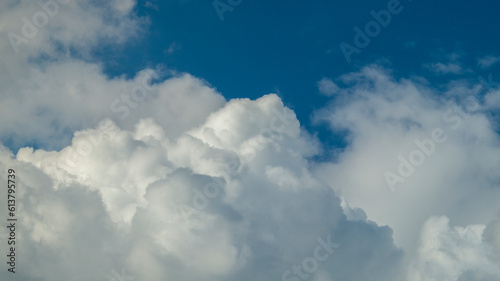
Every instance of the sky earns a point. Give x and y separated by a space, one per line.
246 140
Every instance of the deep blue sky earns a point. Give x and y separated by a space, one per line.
287 46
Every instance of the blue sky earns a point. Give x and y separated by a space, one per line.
322 140
285 47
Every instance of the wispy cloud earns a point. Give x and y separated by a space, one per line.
445 68
450 63
488 61
174 47
327 87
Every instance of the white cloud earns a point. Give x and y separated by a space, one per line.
445 68
142 185
327 87
66 96
384 118
457 253
126 161
487 61
492 99
53 27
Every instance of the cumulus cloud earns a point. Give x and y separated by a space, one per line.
243 205
414 154
453 253
154 177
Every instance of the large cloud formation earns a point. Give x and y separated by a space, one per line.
418 159
226 200
155 178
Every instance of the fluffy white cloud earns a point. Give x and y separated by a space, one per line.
48 27
66 96
226 200
414 154
457 253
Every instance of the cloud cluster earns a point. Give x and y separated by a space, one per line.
48 27
172 208
457 253
155 178
391 125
